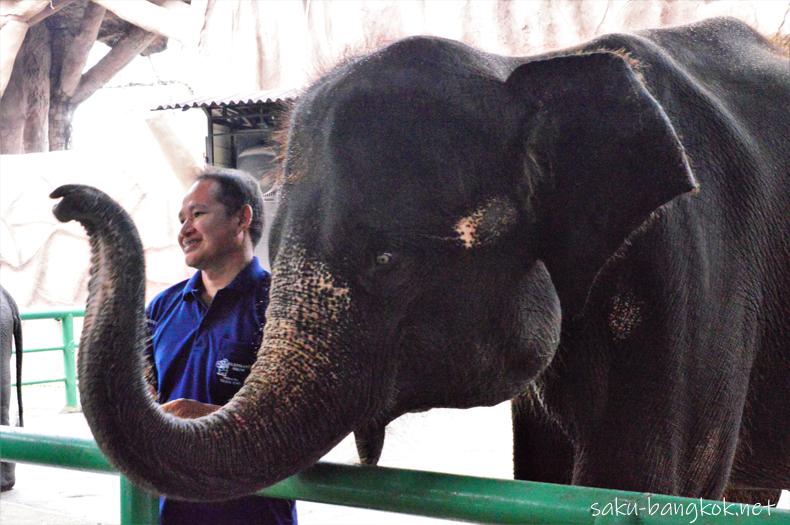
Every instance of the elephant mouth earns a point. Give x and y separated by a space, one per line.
369 440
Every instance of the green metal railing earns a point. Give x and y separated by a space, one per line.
69 349
412 492
430 494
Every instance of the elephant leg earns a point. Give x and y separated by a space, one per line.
7 476
541 451
763 455
764 497
647 449
656 464
6 469
636 434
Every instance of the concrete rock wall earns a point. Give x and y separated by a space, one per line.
44 263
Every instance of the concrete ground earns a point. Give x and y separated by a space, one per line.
472 442
52 496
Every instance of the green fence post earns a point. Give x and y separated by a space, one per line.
69 351
137 507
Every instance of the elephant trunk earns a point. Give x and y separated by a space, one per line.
303 395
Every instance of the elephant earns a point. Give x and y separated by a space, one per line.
10 328
600 232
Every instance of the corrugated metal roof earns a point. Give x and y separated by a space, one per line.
255 97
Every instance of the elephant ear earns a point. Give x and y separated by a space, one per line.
600 156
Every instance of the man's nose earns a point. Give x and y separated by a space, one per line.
186 227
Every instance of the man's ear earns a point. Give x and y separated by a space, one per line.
600 155
245 217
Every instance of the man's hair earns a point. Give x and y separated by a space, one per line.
234 189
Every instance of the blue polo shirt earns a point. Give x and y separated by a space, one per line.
205 353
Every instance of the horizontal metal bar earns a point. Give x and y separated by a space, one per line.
41 382
34 350
433 494
53 314
53 450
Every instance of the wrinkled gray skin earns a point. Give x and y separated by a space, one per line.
10 330
603 228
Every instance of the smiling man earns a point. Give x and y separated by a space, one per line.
206 331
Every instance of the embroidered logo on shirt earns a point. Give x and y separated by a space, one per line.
231 373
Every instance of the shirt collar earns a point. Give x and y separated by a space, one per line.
193 287
246 278
243 281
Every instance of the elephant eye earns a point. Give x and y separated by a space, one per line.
385 272
383 258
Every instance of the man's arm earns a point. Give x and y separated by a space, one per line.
188 408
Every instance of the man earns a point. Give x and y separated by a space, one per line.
205 331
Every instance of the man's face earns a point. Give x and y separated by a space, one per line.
208 233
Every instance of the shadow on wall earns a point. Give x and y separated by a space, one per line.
44 263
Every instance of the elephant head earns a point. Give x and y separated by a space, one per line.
439 206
